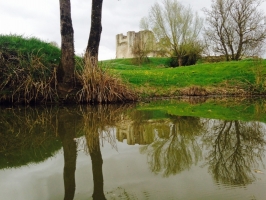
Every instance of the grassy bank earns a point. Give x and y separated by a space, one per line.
28 70
153 79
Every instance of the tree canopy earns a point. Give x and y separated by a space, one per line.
177 30
235 28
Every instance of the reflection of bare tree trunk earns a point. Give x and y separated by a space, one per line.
98 119
70 156
67 134
97 162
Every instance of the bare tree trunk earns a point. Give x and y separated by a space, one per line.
96 29
179 61
67 65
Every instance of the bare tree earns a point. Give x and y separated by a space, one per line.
176 28
96 30
65 73
235 28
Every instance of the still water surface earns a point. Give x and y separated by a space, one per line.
159 150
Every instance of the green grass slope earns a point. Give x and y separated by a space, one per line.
28 46
248 75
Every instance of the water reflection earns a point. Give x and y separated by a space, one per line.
27 135
231 149
98 121
175 147
27 131
96 124
68 125
235 150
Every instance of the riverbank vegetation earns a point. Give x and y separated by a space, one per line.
28 73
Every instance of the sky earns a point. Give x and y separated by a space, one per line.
40 18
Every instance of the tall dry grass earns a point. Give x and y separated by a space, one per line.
100 86
24 79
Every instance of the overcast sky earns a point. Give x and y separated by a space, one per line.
40 18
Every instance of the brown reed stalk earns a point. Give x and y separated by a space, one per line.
26 79
99 86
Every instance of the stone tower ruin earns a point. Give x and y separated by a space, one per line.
125 43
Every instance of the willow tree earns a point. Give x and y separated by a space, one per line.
235 28
176 28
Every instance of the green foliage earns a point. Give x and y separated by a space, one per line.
177 31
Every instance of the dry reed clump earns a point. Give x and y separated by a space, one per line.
194 91
99 86
24 79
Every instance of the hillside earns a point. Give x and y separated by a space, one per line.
226 78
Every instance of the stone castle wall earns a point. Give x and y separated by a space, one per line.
124 43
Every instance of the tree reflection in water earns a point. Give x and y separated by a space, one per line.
235 149
175 147
95 123
99 122
68 124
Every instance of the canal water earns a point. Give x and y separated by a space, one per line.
171 149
